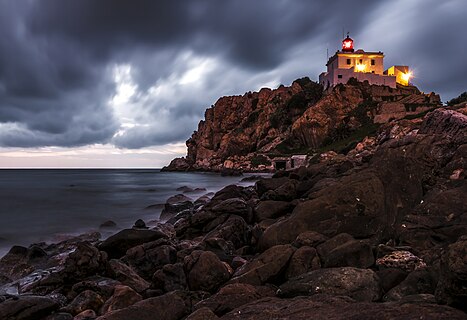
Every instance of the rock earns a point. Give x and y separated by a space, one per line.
85 261
403 260
303 260
309 238
100 285
146 258
175 205
417 282
390 278
184 189
26 308
117 245
251 178
354 253
177 164
202 314
126 275
237 262
140 224
59 316
84 301
333 243
236 206
122 297
107 224
86 315
233 296
205 271
171 306
286 192
169 278
325 307
452 284
265 185
358 284
442 121
266 268
271 209
234 229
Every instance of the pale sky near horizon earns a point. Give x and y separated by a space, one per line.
116 83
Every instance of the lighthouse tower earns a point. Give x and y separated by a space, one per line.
363 66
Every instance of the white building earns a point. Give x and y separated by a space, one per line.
369 66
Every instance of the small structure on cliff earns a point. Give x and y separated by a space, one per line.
363 66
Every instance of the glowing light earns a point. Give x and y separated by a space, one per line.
348 44
360 67
406 76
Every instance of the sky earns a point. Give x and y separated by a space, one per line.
115 83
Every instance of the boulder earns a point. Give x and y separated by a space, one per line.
389 278
175 205
354 253
452 284
127 276
268 267
86 260
234 229
325 248
358 284
122 297
169 278
325 307
171 306
59 316
139 224
264 185
205 271
236 206
84 301
86 315
117 245
310 239
270 209
26 308
404 260
416 282
234 295
202 314
303 260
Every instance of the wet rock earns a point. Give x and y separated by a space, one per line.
117 245
236 206
85 300
59 316
26 308
333 243
101 285
417 282
184 189
233 296
169 278
171 306
175 205
452 284
354 253
139 224
205 271
303 260
122 297
265 185
271 209
202 314
237 262
358 284
85 261
126 275
266 268
234 229
286 192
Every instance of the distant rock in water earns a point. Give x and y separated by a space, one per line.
108 224
260 131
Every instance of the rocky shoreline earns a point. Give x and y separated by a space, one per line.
378 233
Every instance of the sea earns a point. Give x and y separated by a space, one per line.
48 205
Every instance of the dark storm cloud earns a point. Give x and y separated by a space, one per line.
57 60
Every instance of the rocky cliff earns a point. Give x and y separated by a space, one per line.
248 132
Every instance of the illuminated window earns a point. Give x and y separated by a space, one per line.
348 61
372 62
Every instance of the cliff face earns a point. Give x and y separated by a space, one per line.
247 132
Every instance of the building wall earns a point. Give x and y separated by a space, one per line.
343 75
361 59
399 72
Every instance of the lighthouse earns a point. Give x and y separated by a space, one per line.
363 66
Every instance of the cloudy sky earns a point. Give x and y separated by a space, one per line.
112 83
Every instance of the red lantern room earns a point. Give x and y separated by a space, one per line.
347 44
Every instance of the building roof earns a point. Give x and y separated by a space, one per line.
359 52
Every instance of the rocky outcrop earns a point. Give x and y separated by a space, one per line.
248 132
